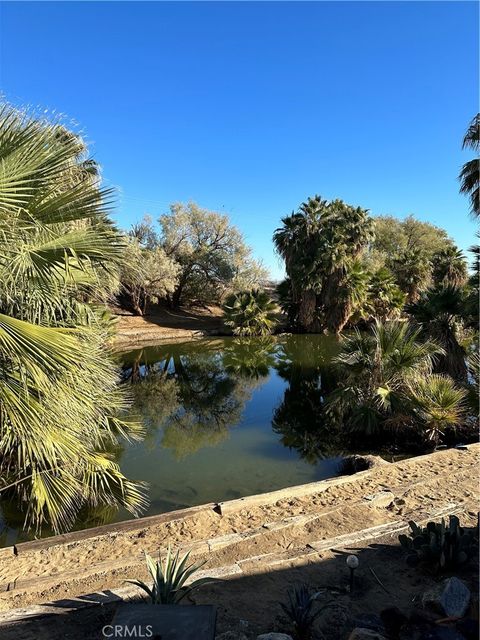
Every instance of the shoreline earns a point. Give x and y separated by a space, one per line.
70 565
164 325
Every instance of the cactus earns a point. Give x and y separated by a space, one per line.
440 546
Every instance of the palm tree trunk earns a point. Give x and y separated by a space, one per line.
306 311
338 315
453 362
336 302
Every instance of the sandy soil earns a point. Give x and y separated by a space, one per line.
163 324
421 486
248 605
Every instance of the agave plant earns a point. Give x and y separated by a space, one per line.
169 578
302 609
250 313
59 399
439 546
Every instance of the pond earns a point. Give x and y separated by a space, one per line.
228 418
224 418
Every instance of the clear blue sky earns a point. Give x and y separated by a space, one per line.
248 108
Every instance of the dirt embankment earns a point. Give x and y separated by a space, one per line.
288 524
165 324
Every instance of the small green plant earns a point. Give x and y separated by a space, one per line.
250 313
169 577
439 546
302 609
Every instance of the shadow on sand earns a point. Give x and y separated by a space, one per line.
250 604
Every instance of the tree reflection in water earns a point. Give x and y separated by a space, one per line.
195 392
251 358
190 393
300 419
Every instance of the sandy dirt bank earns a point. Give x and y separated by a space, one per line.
79 563
163 324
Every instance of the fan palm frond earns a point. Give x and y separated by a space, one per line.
59 399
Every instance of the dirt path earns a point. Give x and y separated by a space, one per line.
103 558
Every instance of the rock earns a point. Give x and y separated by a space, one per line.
274 636
360 633
393 620
381 499
335 621
450 597
231 635
455 598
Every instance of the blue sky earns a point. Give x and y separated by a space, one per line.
249 108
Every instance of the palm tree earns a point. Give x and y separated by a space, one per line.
297 243
346 234
412 271
470 173
59 400
286 302
438 403
374 370
353 294
320 245
439 311
449 267
250 313
385 299
470 314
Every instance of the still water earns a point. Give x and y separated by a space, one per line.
228 418
224 418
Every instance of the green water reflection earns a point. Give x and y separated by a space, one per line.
224 418
230 417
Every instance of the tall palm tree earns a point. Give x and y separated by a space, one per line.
59 400
412 271
297 243
471 310
470 173
320 245
385 299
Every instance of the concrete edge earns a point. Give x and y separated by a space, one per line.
220 508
